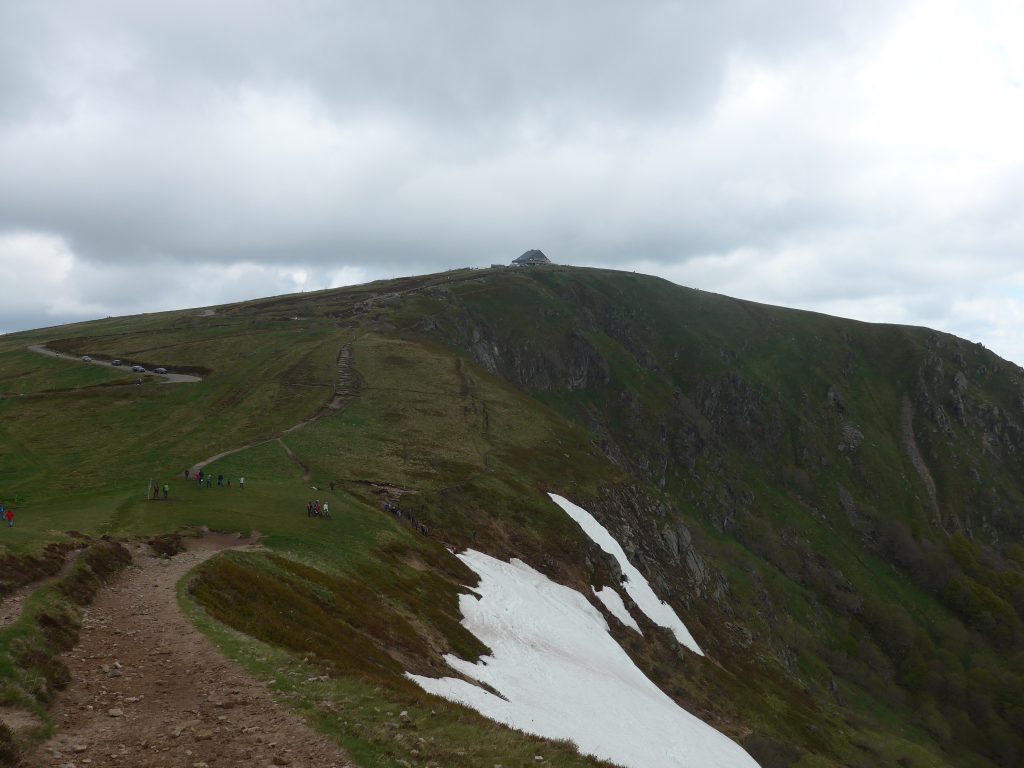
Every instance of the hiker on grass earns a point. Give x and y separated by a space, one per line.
186 474
9 517
220 481
156 491
309 509
326 511
241 483
166 489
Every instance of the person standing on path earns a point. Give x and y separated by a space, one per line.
166 489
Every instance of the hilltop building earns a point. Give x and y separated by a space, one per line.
531 259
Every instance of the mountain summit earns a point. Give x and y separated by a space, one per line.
594 506
531 258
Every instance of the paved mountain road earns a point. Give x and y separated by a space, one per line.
346 388
169 378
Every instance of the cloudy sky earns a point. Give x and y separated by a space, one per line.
861 158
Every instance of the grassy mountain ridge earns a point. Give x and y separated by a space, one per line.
832 506
830 451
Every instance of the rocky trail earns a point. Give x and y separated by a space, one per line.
148 690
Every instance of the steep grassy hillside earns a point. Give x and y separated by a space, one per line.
834 507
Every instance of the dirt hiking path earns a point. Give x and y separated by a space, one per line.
346 389
148 690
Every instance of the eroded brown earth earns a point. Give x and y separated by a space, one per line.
148 690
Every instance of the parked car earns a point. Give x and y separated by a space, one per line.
138 369
86 359
161 371
115 362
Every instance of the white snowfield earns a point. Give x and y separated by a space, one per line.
612 600
563 676
636 585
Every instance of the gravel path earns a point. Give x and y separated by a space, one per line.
149 691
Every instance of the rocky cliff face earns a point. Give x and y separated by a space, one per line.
788 459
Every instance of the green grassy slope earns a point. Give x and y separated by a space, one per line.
833 506
787 439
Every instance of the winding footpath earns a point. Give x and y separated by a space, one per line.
346 389
149 691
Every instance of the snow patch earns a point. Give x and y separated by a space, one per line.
636 585
613 602
563 676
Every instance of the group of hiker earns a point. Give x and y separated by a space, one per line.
407 516
316 509
206 478
201 478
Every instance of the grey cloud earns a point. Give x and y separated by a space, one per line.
439 58
132 161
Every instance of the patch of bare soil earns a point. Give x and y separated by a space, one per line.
148 690
10 608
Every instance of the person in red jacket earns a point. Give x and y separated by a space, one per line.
9 517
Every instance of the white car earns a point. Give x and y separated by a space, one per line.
86 359
138 369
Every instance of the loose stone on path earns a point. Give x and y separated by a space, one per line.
149 691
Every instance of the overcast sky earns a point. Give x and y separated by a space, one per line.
860 158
